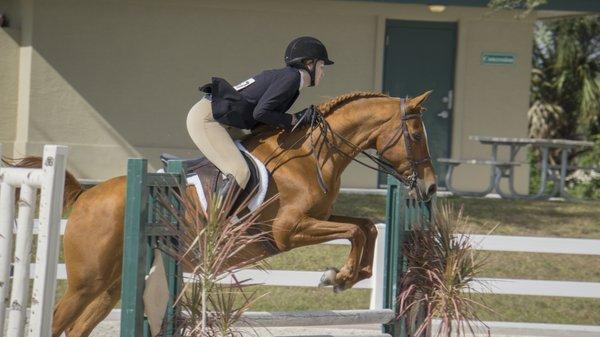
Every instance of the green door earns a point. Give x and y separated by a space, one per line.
419 56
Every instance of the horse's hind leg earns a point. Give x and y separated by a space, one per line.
96 311
70 306
93 247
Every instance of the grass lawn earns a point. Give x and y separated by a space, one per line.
530 218
513 217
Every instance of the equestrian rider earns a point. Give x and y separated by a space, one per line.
260 100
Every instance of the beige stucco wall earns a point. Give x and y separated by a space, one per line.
114 79
492 100
9 75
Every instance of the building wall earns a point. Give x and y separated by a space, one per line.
9 76
492 100
113 79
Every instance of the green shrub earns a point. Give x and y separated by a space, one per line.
589 186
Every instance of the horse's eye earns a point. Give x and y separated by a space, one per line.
417 137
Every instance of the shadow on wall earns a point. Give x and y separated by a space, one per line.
126 74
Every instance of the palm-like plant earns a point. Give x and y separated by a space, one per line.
210 243
442 267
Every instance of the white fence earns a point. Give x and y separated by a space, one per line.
484 285
50 180
297 278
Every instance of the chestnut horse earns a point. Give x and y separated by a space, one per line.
93 240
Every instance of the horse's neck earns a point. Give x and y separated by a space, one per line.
359 122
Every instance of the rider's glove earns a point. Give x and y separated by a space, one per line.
304 117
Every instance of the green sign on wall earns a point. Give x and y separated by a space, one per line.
498 58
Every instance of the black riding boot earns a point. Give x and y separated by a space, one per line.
240 195
229 185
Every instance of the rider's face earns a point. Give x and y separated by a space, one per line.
320 72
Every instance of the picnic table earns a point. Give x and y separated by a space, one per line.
506 168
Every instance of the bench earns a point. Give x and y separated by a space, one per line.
456 162
500 169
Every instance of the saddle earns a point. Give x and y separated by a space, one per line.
207 178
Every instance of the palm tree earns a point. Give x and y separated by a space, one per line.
565 90
565 100
527 5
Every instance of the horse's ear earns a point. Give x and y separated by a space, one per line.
418 101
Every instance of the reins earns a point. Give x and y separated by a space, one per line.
319 122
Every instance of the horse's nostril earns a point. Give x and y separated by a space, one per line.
432 189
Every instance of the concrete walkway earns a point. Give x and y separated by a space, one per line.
110 328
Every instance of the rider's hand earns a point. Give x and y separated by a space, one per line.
304 117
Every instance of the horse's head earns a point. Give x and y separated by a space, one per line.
402 143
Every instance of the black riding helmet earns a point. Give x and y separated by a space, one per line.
306 48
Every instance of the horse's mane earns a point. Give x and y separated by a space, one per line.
326 108
335 103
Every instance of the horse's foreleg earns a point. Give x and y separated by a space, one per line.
309 231
368 227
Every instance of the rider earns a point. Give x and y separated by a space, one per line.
260 100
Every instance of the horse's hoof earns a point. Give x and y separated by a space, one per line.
338 289
328 277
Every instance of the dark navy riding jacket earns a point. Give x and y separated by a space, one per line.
265 100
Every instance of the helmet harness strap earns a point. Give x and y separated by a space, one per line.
311 71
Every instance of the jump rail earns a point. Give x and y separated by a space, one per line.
50 181
330 317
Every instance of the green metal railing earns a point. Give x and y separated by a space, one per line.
401 213
141 232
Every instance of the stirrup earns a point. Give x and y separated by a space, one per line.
229 184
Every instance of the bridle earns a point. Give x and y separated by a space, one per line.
410 181
319 122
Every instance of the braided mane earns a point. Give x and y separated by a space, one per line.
327 107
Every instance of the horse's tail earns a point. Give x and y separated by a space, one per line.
73 188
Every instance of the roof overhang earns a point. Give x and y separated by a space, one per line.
554 5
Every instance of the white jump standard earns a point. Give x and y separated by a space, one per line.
50 181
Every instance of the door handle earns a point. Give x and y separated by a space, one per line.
448 99
444 114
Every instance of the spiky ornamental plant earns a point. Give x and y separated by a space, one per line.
209 244
442 267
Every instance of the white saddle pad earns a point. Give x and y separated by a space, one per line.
263 177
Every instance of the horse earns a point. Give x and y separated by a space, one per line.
359 121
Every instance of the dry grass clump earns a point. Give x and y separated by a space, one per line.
210 246
442 267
